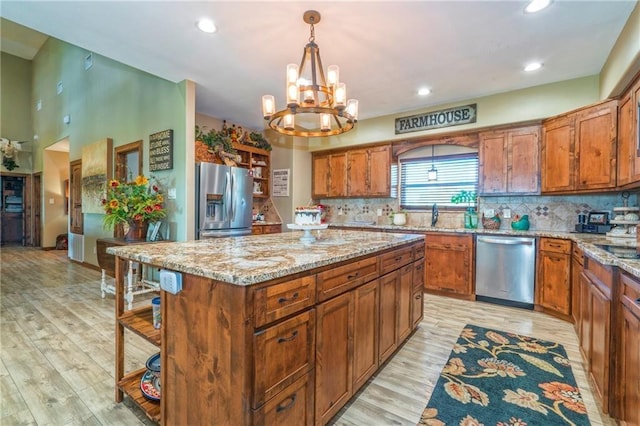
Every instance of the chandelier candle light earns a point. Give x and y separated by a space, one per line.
320 103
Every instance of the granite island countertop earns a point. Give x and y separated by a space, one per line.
253 259
588 243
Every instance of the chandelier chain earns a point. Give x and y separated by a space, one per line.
312 37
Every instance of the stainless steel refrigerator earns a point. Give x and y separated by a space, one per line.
224 201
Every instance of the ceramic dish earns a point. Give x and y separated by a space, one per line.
153 363
150 385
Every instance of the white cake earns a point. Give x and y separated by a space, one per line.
307 216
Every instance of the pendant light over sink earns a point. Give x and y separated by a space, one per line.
315 106
432 174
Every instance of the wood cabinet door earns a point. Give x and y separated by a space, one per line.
635 130
379 171
585 319
596 146
576 299
630 371
365 332
358 173
338 175
492 156
334 349
388 318
75 198
558 155
523 157
448 263
600 333
626 146
554 285
321 176
292 406
405 293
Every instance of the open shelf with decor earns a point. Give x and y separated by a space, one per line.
258 160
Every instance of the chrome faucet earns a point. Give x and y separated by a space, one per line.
434 214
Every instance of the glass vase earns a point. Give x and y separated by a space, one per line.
470 219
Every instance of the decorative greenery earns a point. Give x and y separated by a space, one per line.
469 197
214 138
260 141
132 201
9 155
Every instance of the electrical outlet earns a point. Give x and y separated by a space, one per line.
489 212
95 251
172 193
379 212
506 213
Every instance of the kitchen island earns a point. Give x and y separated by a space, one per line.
268 330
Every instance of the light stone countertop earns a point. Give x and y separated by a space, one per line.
586 242
254 259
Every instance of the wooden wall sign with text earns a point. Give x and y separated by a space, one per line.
161 150
436 119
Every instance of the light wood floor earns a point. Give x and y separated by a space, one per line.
57 350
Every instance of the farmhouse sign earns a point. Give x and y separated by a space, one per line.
161 150
436 119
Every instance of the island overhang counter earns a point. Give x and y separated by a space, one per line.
268 330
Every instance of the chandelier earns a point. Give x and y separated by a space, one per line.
319 105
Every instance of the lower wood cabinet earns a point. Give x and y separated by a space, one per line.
334 345
365 332
577 263
553 281
294 405
595 336
388 316
629 350
258 229
449 264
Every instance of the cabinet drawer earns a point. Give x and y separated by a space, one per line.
293 406
281 300
630 293
555 245
343 278
601 275
395 259
272 229
282 354
418 251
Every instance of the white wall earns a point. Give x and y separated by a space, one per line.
55 172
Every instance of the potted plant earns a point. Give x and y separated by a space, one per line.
470 215
133 203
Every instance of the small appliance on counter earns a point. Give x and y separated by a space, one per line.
593 223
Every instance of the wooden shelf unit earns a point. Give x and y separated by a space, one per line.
140 322
130 385
250 156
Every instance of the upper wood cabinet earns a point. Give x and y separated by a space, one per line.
628 142
579 150
509 161
355 173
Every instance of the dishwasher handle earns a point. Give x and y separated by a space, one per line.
505 241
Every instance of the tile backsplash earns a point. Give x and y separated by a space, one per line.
557 213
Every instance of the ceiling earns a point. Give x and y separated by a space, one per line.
386 50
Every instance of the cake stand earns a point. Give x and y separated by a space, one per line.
307 237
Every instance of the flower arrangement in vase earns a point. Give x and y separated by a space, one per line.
470 215
134 203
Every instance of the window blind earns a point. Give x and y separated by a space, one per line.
455 173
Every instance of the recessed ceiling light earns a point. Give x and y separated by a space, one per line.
536 5
533 66
206 25
424 91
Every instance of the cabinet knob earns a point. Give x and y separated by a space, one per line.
353 276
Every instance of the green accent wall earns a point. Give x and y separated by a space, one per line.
15 104
108 100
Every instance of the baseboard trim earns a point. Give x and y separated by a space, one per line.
49 248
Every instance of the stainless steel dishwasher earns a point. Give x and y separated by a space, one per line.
505 270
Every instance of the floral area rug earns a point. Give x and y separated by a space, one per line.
504 379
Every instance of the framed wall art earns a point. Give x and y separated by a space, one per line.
96 172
